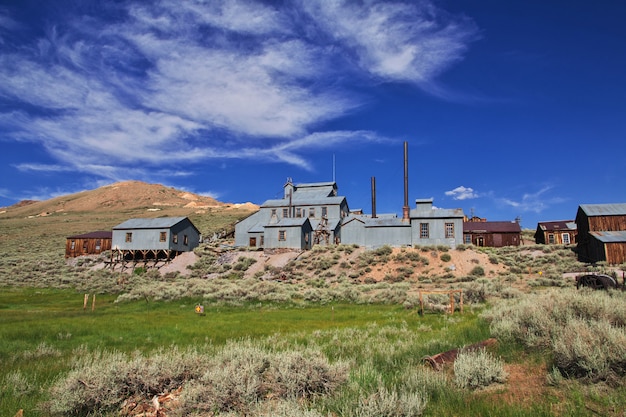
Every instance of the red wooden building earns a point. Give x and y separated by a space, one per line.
493 234
88 244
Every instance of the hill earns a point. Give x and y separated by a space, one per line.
119 197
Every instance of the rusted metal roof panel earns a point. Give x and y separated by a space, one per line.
492 227
555 226
100 234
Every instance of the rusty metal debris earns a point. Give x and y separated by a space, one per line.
439 360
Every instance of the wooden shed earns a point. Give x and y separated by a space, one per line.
92 243
560 232
601 230
493 234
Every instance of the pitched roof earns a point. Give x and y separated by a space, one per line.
149 223
555 226
610 237
492 227
617 209
289 222
100 234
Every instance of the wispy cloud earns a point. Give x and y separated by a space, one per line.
462 193
533 202
156 85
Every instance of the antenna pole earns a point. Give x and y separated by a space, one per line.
333 167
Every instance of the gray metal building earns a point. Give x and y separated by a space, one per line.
155 237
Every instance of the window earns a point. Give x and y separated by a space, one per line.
298 212
262 240
282 235
252 242
449 230
424 231
285 212
273 212
175 238
566 240
72 244
162 237
551 238
468 239
98 244
312 212
185 240
84 246
129 237
324 211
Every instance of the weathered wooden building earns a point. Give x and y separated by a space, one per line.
601 233
560 232
493 234
157 238
92 243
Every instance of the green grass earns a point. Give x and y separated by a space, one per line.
41 328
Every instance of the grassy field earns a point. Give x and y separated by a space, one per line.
44 333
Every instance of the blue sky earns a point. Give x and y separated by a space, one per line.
510 108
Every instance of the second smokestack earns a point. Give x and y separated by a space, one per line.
373 197
405 208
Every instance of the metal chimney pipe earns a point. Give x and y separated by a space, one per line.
405 208
373 197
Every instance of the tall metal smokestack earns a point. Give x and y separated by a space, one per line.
405 208
373 197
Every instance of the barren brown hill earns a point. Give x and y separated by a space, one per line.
104 207
117 197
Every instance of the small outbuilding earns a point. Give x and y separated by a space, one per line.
560 232
493 234
92 243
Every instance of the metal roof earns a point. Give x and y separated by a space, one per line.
146 223
558 225
610 237
617 209
289 222
492 227
100 234
309 200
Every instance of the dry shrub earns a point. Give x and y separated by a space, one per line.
100 381
585 331
477 369
243 375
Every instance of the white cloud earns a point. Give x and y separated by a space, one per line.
462 193
184 81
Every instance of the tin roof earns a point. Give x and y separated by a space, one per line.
100 234
617 209
147 223
289 222
557 225
309 199
492 227
610 237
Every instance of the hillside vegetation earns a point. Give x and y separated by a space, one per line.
334 331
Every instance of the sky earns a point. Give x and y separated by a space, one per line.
510 109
